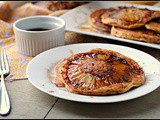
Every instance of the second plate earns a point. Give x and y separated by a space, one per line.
77 21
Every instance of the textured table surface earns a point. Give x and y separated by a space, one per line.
28 102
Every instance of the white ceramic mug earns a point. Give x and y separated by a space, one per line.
31 43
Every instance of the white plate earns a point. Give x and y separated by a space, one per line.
77 19
38 66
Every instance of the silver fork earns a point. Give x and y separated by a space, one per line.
4 69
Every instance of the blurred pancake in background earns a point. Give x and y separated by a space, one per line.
140 34
95 20
142 2
155 26
129 17
57 5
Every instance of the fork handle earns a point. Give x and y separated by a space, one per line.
5 102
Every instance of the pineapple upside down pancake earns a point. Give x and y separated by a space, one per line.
95 20
129 17
99 72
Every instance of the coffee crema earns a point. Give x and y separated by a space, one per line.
37 29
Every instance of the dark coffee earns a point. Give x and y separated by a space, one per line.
37 29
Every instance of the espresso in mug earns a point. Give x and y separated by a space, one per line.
42 27
37 29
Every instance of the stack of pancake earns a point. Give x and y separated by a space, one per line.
133 23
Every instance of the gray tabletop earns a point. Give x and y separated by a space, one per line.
28 102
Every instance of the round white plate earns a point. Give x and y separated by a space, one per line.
37 72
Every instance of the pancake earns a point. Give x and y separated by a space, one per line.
155 26
100 72
136 34
58 79
95 20
62 5
142 2
129 17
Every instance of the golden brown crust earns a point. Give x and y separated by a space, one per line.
101 72
155 26
95 20
58 79
129 17
139 35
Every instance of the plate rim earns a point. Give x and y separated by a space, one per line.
86 101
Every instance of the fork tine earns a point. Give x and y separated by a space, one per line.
6 61
2 60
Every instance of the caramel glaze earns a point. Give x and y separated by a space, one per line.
107 69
